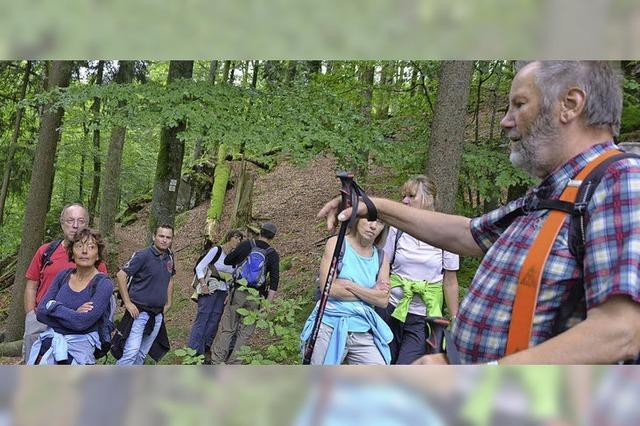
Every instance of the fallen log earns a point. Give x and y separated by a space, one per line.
11 348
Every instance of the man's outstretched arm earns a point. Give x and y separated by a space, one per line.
449 232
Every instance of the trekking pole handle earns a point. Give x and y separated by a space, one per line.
349 196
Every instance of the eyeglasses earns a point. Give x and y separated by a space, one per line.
71 221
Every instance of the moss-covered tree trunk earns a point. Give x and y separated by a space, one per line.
244 196
113 165
447 131
40 188
220 181
13 144
170 156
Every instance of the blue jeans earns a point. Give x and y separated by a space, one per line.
205 326
137 345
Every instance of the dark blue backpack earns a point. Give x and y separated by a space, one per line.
105 323
253 268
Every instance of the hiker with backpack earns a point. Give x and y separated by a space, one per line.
559 280
47 262
146 286
421 275
351 330
257 265
211 275
74 307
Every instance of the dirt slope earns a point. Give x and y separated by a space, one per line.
289 196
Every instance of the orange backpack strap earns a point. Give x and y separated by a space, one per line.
524 304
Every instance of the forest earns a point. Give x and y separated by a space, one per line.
212 145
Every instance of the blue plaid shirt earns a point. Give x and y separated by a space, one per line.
611 262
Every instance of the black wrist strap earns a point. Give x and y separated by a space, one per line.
372 212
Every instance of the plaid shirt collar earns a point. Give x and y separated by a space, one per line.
553 185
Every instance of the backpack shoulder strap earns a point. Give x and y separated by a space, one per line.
212 264
530 275
395 247
45 260
576 234
585 193
94 283
64 276
380 252
216 256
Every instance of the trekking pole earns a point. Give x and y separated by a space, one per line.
349 199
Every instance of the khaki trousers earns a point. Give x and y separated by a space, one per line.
231 324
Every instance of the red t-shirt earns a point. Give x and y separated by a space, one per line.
59 261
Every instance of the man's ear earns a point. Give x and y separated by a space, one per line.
572 105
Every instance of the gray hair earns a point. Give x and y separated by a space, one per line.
64 209
600 80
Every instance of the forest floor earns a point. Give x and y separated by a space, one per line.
289 195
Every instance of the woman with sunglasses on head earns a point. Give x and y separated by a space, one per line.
211 291
74 306
421 275
351 330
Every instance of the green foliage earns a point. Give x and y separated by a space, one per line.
486 168
188 356
468 268
286 263
630 118
278 321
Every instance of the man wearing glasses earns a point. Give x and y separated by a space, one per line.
50 259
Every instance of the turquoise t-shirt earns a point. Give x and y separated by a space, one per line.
359 269
362 271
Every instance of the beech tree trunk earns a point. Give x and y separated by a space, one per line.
213 70
386 77
13 144
366 79
232 73
494 104
314 67
447 131
97 165
254 75
225 71
39 196
170 157
291 71
244 196
113 165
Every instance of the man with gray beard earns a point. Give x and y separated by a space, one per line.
562 116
